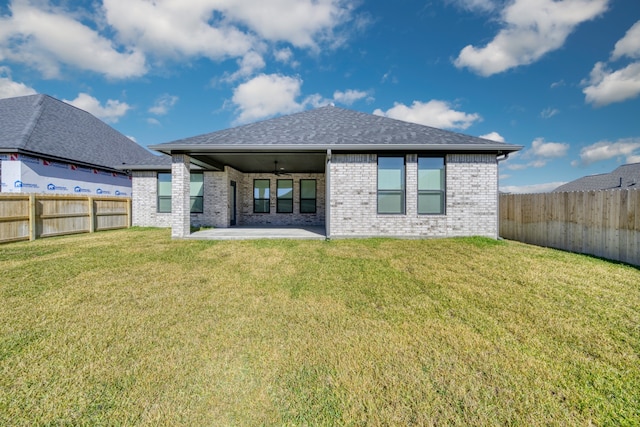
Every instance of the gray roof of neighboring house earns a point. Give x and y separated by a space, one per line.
623 177
336 128
40 125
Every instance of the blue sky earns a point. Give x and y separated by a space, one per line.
561 78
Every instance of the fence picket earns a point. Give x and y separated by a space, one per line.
32 216
600 223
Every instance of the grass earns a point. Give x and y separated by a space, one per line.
130 328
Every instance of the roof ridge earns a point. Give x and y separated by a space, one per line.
31 124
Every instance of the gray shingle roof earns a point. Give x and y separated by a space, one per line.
333 127
623 177
40 125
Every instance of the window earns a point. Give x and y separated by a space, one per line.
307 196
164 192
196 192
261 195
390 185
431 185
284 203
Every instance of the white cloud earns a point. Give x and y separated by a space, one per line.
163 104
629 45
433 113
349 96
475 5
10 88
303 23
493 136
547 150
606 86
153 121
532 28
248 65
283 55
267 95
547 113
633 159
532 188
224 28
538 155
35 37
559 83
604 150
111 112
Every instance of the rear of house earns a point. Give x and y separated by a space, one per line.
354 174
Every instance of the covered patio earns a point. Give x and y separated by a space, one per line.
260 232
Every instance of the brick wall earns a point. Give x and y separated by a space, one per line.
245 208
144 201
471 199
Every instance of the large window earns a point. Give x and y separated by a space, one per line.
390 185
164 192
284 202
431 185
196 192
307 196
261 195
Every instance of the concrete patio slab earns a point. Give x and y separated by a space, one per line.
262 232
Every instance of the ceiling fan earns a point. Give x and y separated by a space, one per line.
278 171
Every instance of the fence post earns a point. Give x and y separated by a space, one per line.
32 217
129 219
92 215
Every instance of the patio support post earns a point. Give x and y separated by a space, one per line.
180 196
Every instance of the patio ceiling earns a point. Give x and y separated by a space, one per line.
256 162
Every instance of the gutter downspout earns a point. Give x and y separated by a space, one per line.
327 196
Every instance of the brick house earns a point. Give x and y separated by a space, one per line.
352 173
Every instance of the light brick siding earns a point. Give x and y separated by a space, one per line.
471 199
180 198
217 201
144 196
281 219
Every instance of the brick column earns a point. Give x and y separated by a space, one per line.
180 196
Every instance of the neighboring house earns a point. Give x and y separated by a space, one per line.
623 177
49 146
355 174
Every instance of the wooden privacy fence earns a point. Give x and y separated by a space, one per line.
32 216
601 223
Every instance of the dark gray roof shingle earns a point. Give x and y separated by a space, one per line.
44 126
623 177
331 126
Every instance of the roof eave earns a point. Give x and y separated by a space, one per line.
204 148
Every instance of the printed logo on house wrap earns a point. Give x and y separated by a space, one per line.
20 184
53 187
120 193
78 189
27 159
101 191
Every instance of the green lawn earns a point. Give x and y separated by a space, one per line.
130 328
